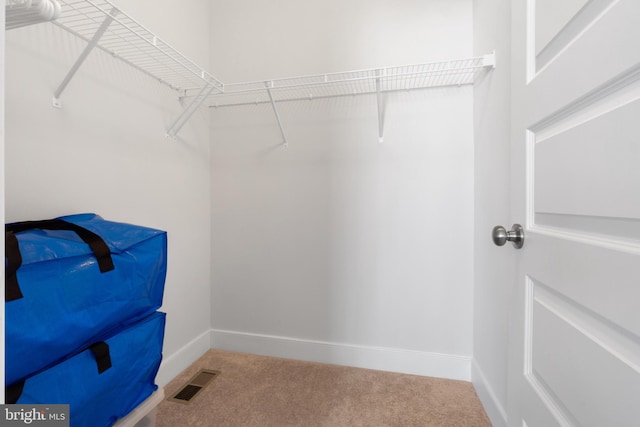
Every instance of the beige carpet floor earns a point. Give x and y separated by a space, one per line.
264 391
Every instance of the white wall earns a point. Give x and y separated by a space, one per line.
492 265
105 152
341 249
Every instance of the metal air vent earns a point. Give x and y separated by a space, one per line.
190 390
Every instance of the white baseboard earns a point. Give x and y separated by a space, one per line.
172 365
492 406
379 358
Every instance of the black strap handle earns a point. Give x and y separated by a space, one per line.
13 392
14 259
100 351
95 242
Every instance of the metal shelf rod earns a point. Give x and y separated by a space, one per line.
380 111
275 111
87 50
188 111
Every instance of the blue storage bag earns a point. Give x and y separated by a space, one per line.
75 277
106 381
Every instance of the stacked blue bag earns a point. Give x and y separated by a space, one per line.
81 322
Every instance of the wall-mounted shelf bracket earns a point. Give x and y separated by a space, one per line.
188 111
380 74
489 60
87 50
275 111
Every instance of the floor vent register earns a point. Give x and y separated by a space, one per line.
201 380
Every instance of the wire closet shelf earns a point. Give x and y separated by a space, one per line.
126 39
106 27
20 13
376 80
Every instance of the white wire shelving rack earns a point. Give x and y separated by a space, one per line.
20 13
106 27
371 81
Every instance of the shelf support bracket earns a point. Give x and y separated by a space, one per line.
188 111
380 107
275 111
489 60
87 50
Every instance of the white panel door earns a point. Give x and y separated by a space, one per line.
575 324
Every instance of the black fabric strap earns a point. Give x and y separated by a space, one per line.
14 261
95 242
13 392
101 353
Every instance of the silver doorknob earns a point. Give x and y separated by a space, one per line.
501 236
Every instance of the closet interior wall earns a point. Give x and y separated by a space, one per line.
339 248
105 152
492 266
